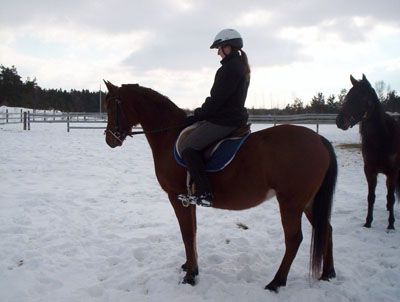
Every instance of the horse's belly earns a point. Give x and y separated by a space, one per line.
243 201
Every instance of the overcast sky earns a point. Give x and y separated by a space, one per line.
295 48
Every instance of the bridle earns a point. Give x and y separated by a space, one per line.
119 134
364 116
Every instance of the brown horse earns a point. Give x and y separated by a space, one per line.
293 163
380 136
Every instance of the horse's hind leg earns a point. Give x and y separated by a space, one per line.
291 222
328 270
371 179
187 223
391 181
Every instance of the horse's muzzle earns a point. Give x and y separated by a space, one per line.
113 139
342 122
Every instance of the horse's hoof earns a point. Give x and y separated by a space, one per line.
367 225
190 277
273 286
189 280
327 276
390 227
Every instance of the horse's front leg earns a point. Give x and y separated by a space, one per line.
187 222
391 182
371 179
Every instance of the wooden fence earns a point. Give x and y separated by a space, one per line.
85 120
11 117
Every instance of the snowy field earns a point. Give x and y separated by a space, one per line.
82 222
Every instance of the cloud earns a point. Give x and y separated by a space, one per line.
79 42
179 27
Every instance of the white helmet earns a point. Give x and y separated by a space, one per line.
228 36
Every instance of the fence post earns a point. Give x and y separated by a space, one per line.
21 116
6 116
68 122
29 120
25 120
317 124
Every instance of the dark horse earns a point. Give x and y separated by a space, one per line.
380 137
293 163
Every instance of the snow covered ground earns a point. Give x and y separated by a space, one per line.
82 222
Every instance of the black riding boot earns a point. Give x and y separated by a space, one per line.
197 169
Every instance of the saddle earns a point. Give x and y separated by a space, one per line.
219 154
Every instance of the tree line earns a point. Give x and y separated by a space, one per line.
28 94
331 104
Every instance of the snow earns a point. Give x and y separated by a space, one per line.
80 221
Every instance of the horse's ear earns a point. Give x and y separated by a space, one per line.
364 78
111 87
353 80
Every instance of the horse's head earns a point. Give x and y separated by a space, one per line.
121 118
358 104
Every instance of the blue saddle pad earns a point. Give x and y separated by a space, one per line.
221 156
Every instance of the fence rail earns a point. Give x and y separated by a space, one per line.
85 120
77 120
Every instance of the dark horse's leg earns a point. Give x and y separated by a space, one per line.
391 182
187 223
291 222
371 179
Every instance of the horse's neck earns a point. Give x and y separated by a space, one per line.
161 123
374 129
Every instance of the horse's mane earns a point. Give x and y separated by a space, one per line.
159 99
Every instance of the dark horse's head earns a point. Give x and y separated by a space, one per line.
121 119
358 104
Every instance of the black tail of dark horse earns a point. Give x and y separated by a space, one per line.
321 211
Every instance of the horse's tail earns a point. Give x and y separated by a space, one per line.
321 212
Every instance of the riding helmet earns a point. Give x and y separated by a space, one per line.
228 36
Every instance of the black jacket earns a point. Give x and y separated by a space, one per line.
225 105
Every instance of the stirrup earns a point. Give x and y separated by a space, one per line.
205 200
187 200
